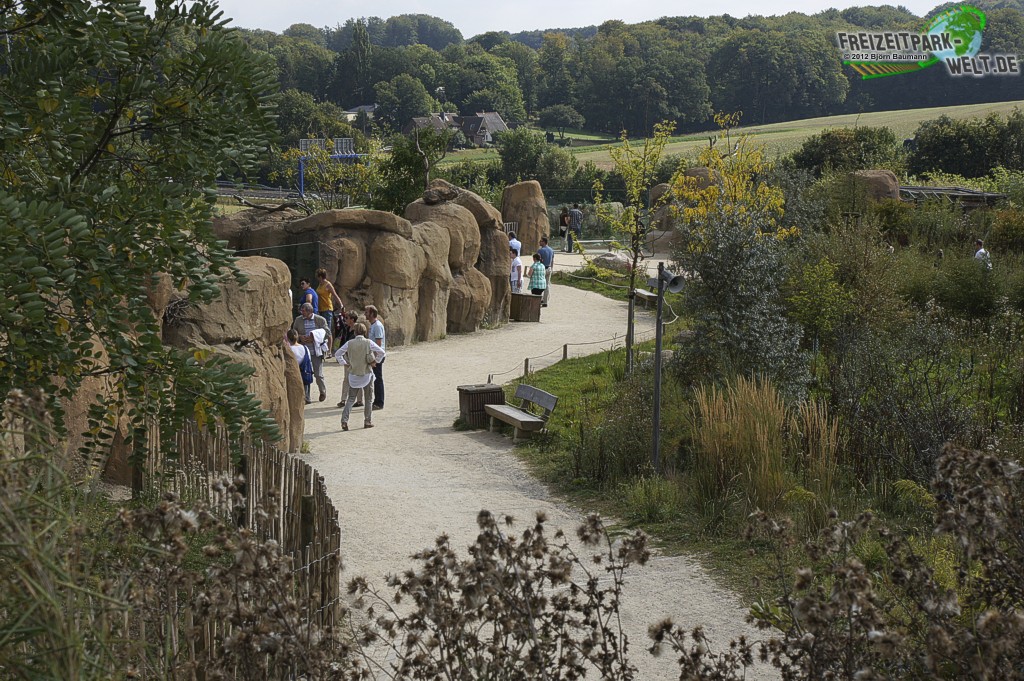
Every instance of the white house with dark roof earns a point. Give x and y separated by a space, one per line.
353 113
479 129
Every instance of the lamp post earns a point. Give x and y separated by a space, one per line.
674 284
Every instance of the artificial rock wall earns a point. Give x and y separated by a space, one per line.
441 268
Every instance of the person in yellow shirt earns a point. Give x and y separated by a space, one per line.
328 297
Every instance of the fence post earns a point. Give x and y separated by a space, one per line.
526 367
307 521
565 352
242 471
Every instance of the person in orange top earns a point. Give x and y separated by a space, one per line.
328 297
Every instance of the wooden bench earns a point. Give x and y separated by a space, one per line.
522 418
647 297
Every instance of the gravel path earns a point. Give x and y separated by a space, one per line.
412 477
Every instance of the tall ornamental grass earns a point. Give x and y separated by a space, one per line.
739 446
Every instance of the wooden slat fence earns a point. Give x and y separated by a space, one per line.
305 524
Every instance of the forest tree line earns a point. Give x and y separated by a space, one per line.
617 76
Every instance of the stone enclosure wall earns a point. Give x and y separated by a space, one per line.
441 268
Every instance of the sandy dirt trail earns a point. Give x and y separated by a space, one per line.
412 477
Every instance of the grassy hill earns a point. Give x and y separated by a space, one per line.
783 138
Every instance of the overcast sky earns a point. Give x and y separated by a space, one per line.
473 17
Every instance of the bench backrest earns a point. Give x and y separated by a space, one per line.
530 395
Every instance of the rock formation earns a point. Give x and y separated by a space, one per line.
878 185
524 204
441 268
247 324
617 262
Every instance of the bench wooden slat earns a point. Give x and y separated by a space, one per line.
522 419
515 416
545 401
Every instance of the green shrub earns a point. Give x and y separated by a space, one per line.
848 149
917 284
652 499
1015 290
866 268
966 289
817 300
970 147
818 436
1006 233
894 219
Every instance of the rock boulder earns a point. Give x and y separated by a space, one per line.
247 324
461 225
257 311
617 262
704 177
487 216
878 185
439 191
395 261
524 204
467 301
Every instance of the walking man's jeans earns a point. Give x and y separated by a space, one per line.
378 384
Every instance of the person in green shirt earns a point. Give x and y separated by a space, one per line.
538 281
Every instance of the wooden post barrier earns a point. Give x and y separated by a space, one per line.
307 520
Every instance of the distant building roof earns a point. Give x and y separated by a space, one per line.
478 128
362 108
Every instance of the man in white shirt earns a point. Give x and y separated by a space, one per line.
515 243
981 255
360 355
377 336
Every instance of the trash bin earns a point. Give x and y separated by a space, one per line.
473 398
525 307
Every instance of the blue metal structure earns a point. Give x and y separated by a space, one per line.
344 150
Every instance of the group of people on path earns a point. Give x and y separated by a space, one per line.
311 339
538 274
323 320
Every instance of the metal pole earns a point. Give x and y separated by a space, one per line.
629 332
656 427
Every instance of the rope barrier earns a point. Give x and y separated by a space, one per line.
637 338
547 354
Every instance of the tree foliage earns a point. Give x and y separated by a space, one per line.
116 125
401 99
560 117
638 167
520 151
329 183
730 239
403 173
969 147
845 149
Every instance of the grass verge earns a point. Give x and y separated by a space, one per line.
584 386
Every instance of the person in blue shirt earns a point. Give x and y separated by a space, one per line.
376 332
547 257
308 295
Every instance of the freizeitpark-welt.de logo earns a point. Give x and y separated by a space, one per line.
952 38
